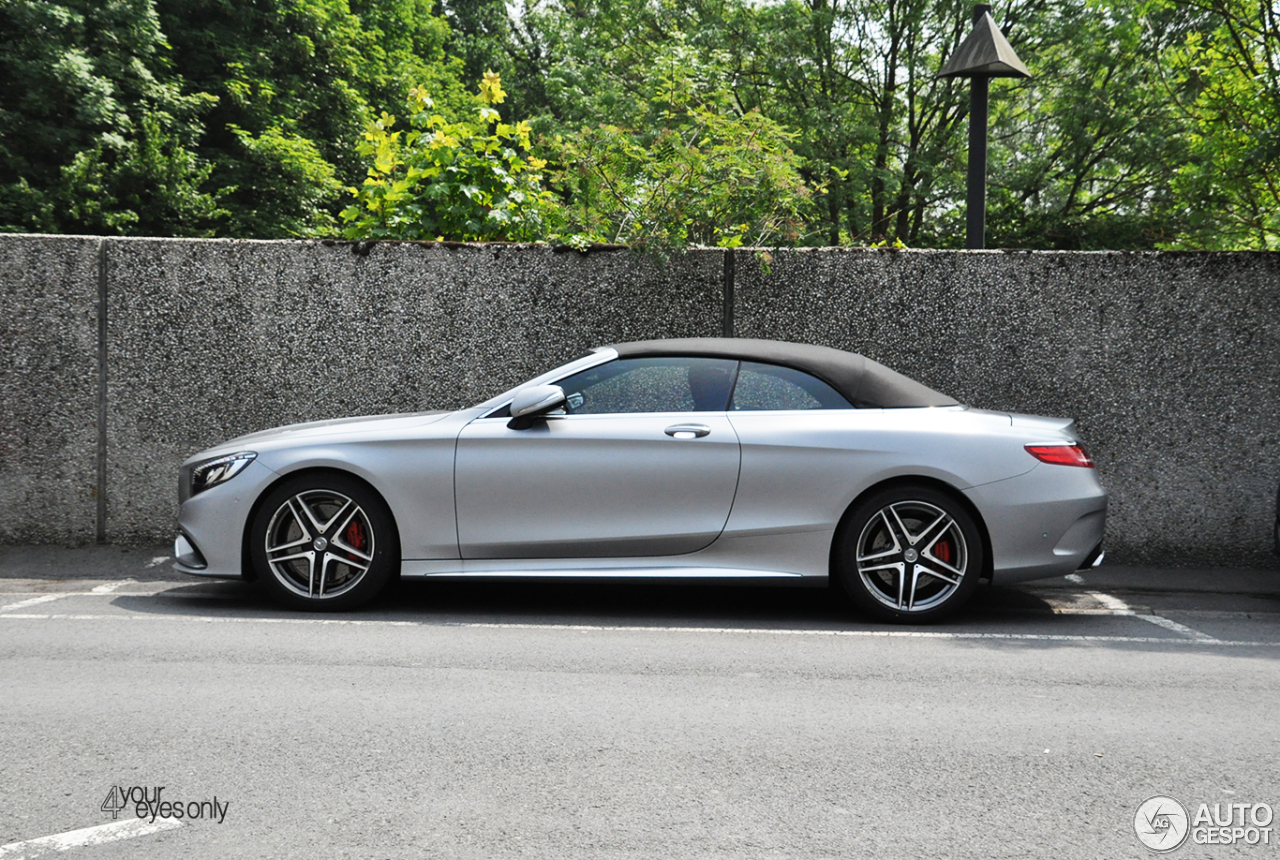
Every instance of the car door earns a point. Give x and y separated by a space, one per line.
804 447
642 462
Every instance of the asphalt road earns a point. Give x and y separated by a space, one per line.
591 720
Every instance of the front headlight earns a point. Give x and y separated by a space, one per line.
223 469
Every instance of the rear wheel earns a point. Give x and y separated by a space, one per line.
324 541
910 554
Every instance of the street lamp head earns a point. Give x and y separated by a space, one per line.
985 52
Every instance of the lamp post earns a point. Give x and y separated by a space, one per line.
984 54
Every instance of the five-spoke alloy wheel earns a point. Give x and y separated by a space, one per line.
323 541
909 554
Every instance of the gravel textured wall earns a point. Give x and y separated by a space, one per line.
48 389
209 340
1170 362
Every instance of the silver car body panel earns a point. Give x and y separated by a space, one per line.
759 496
601 486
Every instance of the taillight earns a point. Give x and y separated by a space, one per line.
1061 455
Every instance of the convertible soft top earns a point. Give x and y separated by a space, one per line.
863 382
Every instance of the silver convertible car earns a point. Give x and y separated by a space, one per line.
702 458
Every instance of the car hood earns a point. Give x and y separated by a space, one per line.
311 431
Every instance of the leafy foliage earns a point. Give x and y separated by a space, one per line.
295 82
1149 123
94 134
1085 155
695 172
1223 72
471 179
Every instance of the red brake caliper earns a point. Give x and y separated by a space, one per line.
942 551
355 536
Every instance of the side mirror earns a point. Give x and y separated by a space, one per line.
534 402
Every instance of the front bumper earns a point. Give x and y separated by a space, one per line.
213 524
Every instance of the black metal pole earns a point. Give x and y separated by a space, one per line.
976 202
975 216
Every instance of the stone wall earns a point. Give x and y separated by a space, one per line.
1170 362
49 390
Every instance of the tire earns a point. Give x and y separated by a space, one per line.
909 554
324 541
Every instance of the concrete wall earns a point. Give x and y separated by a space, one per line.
210 340
1170 362
48 390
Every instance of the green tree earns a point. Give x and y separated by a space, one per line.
1223 73
852 80
295 83
1086 152
465 180
694 171
95 133
1091 153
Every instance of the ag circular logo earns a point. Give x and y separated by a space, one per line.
1162 823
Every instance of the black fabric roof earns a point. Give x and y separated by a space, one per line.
863 382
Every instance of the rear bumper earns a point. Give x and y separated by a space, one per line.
1048 522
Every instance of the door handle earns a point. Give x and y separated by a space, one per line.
687 431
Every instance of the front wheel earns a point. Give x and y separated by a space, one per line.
909 554
324 541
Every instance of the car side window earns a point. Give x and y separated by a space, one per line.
650 385
770 387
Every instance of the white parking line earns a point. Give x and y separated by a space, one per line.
1160 621
638 628
1115 604
103 833
108 587
1119 607
31 601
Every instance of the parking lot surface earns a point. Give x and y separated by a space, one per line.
553 719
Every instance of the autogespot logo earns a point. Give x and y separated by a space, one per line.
1162 824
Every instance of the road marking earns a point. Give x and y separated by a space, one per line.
111 591
157 561
103 833
1160 621
1115 604
185 592
637 628
1074 577
1119 607
22 604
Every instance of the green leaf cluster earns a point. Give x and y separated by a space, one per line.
1148 123
693 171
294 82
663 123
200 117
471 179
1223 75
95 137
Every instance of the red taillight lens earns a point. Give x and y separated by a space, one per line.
1061 455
